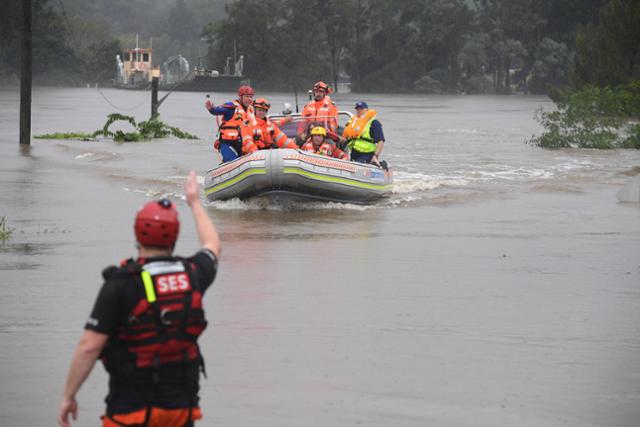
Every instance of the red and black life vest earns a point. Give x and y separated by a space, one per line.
167 319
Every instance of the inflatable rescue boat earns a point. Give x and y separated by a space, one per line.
289 175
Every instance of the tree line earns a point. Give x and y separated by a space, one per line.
430 46
427 46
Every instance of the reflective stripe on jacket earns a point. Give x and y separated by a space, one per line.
322 112
267 134
325 149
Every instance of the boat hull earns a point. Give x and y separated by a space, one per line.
211 84
289 175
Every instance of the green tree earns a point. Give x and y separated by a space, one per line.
514 27
608 53
335 16
181 22
550 66
443 27
562 17
257 30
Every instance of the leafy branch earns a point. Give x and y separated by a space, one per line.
143 131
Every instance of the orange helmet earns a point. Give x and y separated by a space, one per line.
245 90
319 130
321 86
261 103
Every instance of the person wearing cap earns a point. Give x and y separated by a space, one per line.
320 111
266 133
234 136
146 322
318 143
364 135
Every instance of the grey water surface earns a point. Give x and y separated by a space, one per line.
498 286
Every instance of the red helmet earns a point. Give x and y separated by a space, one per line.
321 86
157 224
261 103
245 90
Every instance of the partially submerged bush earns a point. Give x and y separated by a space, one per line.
593 118
478 85
5 232
143 131
67 135
427 84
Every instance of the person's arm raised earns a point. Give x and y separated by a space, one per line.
207 233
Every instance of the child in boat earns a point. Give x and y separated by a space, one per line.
318 143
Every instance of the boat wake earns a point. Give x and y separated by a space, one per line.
261 204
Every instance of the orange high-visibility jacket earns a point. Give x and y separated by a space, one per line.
266 134
325 149
322 112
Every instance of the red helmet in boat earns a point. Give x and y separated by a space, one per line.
157 224
261 103
245 90
321 86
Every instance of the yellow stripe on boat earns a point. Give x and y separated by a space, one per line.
238 178
338 180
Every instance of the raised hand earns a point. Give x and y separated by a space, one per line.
191 190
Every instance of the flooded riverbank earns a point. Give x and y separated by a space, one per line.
498 286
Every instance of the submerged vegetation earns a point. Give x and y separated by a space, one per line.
143 131
5 232
593 117
601 107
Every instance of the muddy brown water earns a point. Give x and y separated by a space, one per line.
499 285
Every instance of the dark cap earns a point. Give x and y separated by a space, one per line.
361 104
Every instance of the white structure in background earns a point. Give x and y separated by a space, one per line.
175 69
239 66
120 77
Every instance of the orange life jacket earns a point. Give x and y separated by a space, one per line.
325 149
231 130
266 134
322 112
356 125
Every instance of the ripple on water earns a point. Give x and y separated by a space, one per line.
25 248
15 326
556 188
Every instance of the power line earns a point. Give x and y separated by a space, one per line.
119 108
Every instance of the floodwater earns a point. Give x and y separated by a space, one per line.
499 286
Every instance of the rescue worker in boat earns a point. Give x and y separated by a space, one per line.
320 111
318 143
266 133
234 136
146 322
363 135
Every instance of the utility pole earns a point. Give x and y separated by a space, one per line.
25 75
154 96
